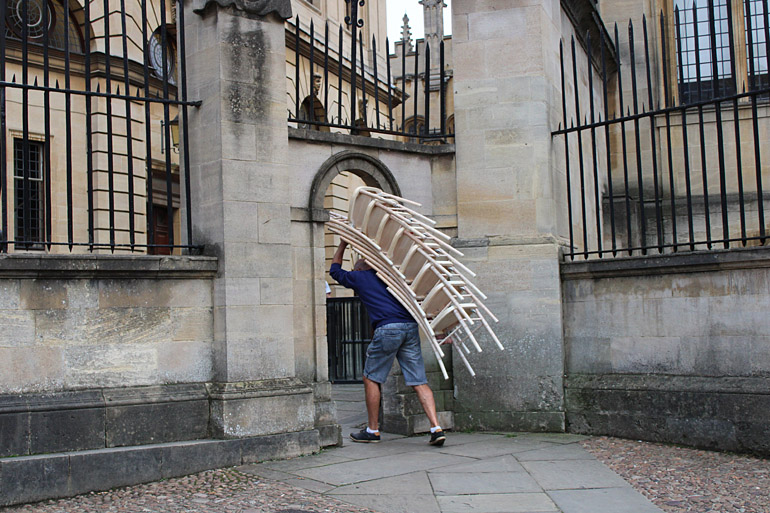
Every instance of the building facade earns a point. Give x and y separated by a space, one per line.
598 185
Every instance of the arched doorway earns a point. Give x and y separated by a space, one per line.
348 330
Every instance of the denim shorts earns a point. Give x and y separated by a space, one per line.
396 340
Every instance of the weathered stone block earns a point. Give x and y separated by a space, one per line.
186 362
276 291
33 478
330 435
104 326
14 434
156 423
274 223
18 328
43 294
191 457
257 408
279 446
31 368
66 430
111 365
111 468
191 324
9 294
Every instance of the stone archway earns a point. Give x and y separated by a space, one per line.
370 169
343 310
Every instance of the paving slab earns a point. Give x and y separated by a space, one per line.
356 451
497 503
573 474
603 500
468 483
570 451
315 460
394 504
495 447
414 483
454 439
559 438
380 467
506 463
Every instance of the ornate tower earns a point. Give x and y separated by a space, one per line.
433 12
406 35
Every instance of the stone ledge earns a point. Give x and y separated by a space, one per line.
667 383
508 421
655 265
106 266
51 476
688 410
94 398
257 389
369 142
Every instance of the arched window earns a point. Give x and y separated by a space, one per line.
58 30
155 53
415 127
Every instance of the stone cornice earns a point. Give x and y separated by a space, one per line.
655 265
106 266
282 8
585 17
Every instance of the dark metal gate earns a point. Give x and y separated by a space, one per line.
348 332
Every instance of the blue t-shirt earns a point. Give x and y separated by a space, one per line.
382 307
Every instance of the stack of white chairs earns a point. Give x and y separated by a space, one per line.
420 268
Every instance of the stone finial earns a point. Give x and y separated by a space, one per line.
406 35
282 8
433 11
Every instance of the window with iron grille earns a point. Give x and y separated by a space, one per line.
716 54
756 17
29 204
32 13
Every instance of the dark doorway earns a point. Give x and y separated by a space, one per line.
348 332
160 221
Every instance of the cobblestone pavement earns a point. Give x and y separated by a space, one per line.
679 479
676 479
219 491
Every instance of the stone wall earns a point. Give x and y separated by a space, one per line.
103 351
75 322
672 348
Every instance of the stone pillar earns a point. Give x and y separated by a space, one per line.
506 62
236 64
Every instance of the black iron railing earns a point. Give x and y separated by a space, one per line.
75 174
671 173
348 333
367 98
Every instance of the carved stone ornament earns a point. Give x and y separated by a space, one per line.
282 8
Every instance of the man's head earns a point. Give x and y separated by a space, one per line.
361 265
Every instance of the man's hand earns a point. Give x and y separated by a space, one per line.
337 258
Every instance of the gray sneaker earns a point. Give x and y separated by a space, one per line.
365 437
437 438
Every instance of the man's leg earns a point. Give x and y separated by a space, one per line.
372 393
425 395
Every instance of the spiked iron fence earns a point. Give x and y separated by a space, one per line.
325 63
82 176
682 167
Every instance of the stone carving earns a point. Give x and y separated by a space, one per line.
282 8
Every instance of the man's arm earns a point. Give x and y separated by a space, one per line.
337 258
340 275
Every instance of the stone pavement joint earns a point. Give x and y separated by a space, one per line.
472 473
